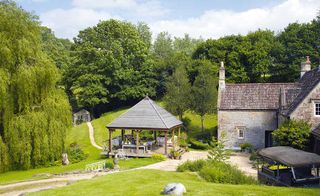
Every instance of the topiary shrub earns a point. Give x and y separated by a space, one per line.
192 166
159 157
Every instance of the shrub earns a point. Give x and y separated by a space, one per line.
218 151
75 153
174 154
293 133
192 166
183 140
245 146
220 172
109 165
198 145
159 157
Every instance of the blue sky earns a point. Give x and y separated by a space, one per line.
202 18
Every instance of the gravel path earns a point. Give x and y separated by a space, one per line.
91 135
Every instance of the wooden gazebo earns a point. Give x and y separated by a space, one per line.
145 116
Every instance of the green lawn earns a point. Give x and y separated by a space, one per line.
151 182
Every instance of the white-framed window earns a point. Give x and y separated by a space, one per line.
317 109
241 131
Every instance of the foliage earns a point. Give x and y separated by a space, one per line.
294 133
193 166
245 146
177 99
159 157
112 64
175 154
204 94
220 172
109 165
75 153
4 157
182 140
218 153
198 145
35 114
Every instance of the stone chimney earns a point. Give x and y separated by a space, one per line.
222 77
305 67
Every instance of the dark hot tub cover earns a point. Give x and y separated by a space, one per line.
290 156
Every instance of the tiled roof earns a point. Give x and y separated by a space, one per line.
309 80
255 96
145 115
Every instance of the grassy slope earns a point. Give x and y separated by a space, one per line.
99 125
151 182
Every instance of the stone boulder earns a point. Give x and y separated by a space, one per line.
174 189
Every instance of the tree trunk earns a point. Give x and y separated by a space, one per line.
202 123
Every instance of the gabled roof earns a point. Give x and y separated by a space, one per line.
309 80
254 96
145 115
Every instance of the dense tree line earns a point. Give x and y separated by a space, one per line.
34 113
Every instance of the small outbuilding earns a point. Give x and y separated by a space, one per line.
144 118
81 116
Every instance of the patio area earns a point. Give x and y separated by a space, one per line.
146 128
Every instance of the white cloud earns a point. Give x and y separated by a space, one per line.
211 24
139 8
217 23
67 23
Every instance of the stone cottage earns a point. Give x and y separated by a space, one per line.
249 112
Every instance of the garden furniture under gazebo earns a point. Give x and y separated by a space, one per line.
144 116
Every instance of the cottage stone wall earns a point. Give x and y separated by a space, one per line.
306 111
255 123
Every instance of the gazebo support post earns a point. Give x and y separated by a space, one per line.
155 136
179 135
110 140
173 141
137 141
122 136
166 143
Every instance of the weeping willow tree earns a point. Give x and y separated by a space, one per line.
34 113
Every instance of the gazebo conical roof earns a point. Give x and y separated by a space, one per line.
146 115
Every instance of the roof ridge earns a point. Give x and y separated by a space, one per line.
165 124
261 83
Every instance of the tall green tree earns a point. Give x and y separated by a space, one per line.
204 93
177 99
112 64
145 33
34 113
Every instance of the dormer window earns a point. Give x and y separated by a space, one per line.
317 109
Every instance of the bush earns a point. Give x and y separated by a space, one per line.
75 153
293 133
183 140
245 146
109 165
192 166
198 145
220 172
218 151
174 154
159 157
